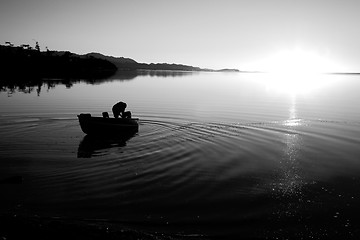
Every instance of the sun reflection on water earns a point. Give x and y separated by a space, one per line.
289 182
299 83
293 120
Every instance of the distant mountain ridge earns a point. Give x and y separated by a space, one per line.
118 60
129 64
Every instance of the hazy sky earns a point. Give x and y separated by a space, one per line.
204 33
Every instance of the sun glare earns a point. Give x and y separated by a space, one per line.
296 84
297 61
296 71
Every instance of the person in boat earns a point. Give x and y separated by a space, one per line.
119 110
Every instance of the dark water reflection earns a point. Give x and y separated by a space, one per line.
97 145
30 85
216 155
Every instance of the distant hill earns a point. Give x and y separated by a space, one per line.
228 70
129 64
115 60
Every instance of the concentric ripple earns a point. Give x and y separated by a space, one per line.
175 171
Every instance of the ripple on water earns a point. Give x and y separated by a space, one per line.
175 170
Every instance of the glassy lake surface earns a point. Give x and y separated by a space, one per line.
217 154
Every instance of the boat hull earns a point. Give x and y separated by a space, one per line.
107 126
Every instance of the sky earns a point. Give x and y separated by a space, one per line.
247 35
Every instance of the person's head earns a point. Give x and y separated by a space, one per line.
122 106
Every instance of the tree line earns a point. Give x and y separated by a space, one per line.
25 61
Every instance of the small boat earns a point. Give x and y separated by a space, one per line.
107 126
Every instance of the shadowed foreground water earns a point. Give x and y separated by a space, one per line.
275 171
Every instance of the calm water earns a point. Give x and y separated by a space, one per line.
224 155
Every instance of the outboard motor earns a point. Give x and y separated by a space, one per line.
105 115
85 115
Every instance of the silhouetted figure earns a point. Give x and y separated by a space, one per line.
119 110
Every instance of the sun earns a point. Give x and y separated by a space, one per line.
296 71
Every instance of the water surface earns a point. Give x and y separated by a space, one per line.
217 154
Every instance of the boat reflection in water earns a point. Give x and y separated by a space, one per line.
97 145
